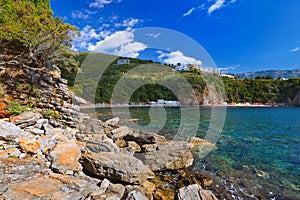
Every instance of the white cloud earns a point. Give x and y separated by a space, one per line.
190 11
99 3
228 68
153 35
295 49
233 1
87 34
128 23
217 5
79 15
177 57
120 43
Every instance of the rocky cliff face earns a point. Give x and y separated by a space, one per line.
41 88
295 101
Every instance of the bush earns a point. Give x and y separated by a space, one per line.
48 113
15 108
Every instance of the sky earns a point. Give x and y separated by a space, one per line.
238 35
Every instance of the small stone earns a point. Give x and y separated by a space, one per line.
136 195
133 146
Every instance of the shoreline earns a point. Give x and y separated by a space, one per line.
171 106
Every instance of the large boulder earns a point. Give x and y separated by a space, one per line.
65 158
118 167
172 155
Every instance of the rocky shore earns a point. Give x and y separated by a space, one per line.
73 156
97 160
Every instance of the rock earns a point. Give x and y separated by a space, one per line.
3 112
136 195
148 189
47 142
90 126
165 194
110 191
112 122
13 153
18 169
102 146
78 100
120 132
26 119
133 146
174 155
121 143
35 131
54 187
9 131
29 145
143 137
65 157
193 192
118 167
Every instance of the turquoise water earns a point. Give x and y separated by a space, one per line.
258 155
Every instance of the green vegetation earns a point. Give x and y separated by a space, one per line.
238 90
15 108
260 90
31 37
49 114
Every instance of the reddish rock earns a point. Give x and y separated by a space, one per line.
29 145
65 157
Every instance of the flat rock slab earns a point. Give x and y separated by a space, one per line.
65 157
54 187
118 167
173 155
9 131
26 119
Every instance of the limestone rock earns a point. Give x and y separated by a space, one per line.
35 131
133 146
29 145
9 131
193 192
143 137
19 169
112 122
136 195
174 155
118 167
26 119
110 191
65 157
120 132
54 187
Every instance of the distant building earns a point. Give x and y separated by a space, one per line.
123 62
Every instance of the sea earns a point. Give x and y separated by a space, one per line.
258 149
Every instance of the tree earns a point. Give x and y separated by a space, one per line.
31 36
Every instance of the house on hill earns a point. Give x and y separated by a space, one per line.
123 62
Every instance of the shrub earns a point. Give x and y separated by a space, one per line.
15 108
48 113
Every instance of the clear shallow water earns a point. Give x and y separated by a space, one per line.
258 153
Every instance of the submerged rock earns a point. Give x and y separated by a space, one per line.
193 192
118 167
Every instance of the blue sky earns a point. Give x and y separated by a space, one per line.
239 35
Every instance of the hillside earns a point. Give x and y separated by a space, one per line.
238 90
273 73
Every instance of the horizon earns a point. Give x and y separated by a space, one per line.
240 35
